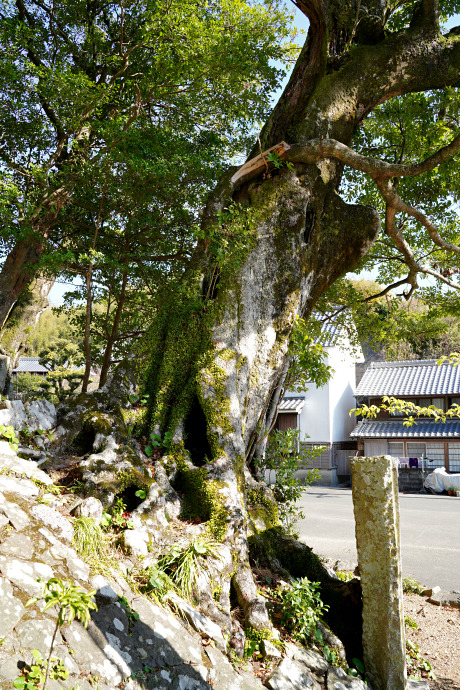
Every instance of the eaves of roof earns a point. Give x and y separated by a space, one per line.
294 404
394 428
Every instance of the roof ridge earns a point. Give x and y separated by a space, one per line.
404 363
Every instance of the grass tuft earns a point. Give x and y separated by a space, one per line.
184 563
91 543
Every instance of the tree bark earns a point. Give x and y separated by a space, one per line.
112 336
306 238
24 316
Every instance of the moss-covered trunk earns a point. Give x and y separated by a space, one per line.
218 365
219 357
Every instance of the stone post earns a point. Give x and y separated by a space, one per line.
376 508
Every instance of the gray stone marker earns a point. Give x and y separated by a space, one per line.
376 508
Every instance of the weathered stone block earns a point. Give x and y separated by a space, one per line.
376 509
54 520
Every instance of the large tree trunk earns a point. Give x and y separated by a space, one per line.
212 380
24 316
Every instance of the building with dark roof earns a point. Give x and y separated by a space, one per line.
424 383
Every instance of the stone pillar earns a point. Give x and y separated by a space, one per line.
376 508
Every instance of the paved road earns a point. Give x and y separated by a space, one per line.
430 531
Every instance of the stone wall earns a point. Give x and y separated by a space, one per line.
411 479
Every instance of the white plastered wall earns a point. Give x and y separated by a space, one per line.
325 416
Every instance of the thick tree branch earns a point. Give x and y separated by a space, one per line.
316 149
393 200
385 291
400 241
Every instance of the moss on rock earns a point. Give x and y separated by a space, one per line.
260 507
202 499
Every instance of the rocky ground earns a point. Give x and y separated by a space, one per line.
438 637
132 642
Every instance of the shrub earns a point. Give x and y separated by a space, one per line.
302 608
285 455
411 586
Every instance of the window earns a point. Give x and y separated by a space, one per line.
396 449
454 457
438 402
435 455
416 450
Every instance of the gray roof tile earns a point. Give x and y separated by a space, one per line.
418 377
394 428
30 364
294 404
331 331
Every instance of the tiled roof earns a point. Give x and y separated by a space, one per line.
394 428
330 334
30 364
418 377
291 405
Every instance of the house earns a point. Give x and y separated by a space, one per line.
29 365
323 414
424 383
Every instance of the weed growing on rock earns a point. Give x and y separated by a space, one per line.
416 664
132 615
91 543
184 563
35 674
118 518
9 433
71 602
345 575
159 584
410 623
302 608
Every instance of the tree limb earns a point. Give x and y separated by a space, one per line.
316 149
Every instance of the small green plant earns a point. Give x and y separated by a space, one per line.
331 655
159 583
411 586
132 615
35 675
345 575
274 158
410 623
156 442
357 670
141 400
71 602
416 664
251 647
183 562
9 433
118 518
141 493
285 455
302 608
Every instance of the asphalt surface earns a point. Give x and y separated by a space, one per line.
430 531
